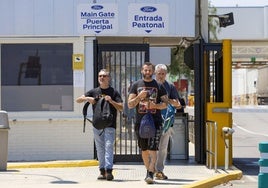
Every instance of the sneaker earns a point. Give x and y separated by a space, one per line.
149 177
160 176
102 175
109 175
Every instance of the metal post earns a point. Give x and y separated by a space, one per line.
226 166
263 163
216 146
209 136
210 146
4 127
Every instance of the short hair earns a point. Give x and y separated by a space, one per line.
161 67
148 64
106 71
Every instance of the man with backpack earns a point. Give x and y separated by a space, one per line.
160 75
101 98
149 98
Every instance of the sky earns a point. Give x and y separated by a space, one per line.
240 3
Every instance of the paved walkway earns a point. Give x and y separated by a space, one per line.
83 174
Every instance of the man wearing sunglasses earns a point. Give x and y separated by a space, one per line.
104 139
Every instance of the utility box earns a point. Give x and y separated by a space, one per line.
179 143
4 128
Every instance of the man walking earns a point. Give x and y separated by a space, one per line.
160 75
148 96
104 138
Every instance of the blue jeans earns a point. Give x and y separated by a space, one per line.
105 146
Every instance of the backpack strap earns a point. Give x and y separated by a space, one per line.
86 105
168 89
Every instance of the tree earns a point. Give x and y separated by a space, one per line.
177 67
213 24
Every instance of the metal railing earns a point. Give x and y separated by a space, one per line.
211 127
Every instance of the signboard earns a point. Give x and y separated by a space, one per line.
97 18
78 62
144 19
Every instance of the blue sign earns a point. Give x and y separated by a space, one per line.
95 19
148 19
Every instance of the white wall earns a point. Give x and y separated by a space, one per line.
160 55
243 81
49 140
250 23
32 136
60 17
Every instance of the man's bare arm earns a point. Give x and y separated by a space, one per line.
83 98
117 105
133 100
175 102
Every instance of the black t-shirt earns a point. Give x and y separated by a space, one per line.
155 92
98 93
183 104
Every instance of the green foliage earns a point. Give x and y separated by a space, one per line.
213 23
177 67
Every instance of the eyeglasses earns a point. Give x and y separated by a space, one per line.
104 76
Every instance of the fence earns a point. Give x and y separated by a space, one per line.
211 140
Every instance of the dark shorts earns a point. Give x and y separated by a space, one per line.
149 143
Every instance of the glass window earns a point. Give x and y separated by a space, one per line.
36 77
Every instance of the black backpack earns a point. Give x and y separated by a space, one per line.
85 115
102 117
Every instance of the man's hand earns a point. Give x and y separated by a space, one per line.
143 94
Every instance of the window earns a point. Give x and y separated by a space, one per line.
36 77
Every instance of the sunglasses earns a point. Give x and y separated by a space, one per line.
104 76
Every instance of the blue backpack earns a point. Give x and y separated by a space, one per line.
147 127
168 116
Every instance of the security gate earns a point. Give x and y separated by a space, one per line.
124 63
213 93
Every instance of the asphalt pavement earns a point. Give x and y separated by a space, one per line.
250 125
181 173
82 174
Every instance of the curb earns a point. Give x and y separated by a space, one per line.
53 164
217 180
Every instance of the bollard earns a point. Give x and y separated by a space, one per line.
4 128
227 132
263 163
